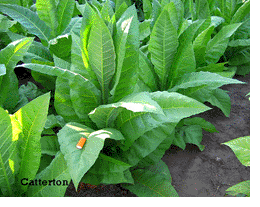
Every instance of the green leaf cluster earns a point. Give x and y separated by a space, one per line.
20 152
125 79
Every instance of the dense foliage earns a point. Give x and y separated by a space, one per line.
125 75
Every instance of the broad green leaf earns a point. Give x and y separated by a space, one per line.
108 178
162 169
242 187
74 26
156 11
105 115
80 161
200 44
151 184
54 121
144 29
10 56
37 52
154 128
175 9
49 142
241 148
240 58
229 72
195 79
193 135
218 67
163 45
202 9
184 59
147 8
241 12
122 27
147 143
89 18
107 12
57 177
84 95
146 72
119 2
32 118
79 62
62 101
118 13
61 46
156 155
102 56
47 12
127 47
207 126
218 44
28 19
5 23
6 174
65 10
221 99
239 43
177 106
106 165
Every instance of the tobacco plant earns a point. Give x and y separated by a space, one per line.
127 131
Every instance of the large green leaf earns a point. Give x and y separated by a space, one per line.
242 187
184 59
221 99
61 46
80 43
57 172
127 46
105 115
163 45
147 129
102 55
32 118
146 72
241 148
177 106
6 174
151 184
84 95
218 44
10 56
65 10
122 27
80 161
201 78
47 12
241 12
62 101
28 19
200 44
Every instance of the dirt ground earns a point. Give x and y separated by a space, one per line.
194 173
210 172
